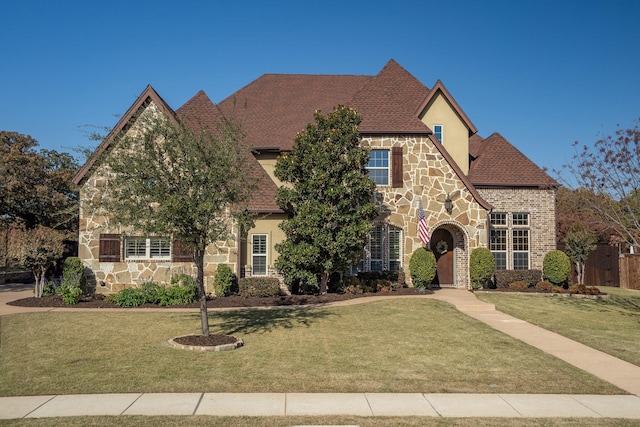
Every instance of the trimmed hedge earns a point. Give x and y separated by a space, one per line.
556 267
422 267
481 267
259 287
505 277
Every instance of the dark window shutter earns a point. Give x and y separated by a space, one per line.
396 167
180 253
109 248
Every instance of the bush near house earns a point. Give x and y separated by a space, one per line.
259 287
556 267
225 282
503 278
184 290
422 267
384 281
481 267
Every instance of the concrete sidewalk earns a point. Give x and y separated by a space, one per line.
622 374
321 404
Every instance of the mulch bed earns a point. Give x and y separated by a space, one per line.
222 302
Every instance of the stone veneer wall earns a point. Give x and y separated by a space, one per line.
428 177
541 206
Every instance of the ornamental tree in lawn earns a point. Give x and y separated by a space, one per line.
178 179
330 199
37 249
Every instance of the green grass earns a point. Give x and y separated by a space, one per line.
163 421
407 345
611 325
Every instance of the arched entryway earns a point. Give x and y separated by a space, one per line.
442 245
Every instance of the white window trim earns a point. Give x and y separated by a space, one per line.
441 139
147 249
265 255
387 168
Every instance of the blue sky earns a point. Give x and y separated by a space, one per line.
542 73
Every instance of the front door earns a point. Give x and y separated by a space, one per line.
442 247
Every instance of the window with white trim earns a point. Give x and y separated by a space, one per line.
140 248
438 132
259 255
498 239
509 240
520 240
378 166
383 251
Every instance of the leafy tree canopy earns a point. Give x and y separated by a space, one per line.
35 186
609 171
330 198
178 179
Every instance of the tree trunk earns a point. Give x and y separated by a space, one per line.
324 279
204 316
580 271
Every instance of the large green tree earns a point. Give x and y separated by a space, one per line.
179 179
329 198
35 186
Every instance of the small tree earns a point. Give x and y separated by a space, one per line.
330 199
556 267
36 249
422 267
180 180
579 243
482 264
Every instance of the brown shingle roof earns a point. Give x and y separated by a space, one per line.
497 163
200 111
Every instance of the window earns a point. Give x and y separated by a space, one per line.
147 248
513 252
498 245
520 241
378 166
383 251
259 255
437 132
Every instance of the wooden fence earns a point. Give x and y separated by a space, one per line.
601 268
630 271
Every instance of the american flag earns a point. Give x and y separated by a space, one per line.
423 229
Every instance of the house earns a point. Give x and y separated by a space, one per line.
425 151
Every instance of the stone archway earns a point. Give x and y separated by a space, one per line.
449 243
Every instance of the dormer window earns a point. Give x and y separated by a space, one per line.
437 132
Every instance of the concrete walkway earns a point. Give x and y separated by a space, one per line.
622 374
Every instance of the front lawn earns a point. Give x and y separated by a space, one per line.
404 345
609 325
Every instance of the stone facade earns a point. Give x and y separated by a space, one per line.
428 178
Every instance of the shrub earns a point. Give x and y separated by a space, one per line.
129 297
518 286
179 294
50 288
259 286
70 288
224 281
422 267
352 285
152 292
544 286
583 289
481 267
505 277
556 267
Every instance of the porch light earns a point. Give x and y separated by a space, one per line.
448 205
